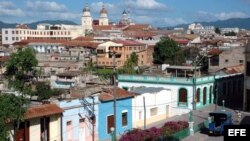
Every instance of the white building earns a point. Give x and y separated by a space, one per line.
157 103
226 30
103 20
87 19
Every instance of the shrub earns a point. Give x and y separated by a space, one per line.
154 134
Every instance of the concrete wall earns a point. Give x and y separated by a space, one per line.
74 111
161 100
35 130
55 128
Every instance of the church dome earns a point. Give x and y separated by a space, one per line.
103 10
86 9
124 12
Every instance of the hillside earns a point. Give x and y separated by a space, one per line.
243 23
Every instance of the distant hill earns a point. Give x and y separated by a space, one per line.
243 23
34 24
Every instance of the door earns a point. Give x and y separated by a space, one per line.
205 96
110 123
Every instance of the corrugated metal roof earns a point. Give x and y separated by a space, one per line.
42 110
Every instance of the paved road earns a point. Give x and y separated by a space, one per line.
203 137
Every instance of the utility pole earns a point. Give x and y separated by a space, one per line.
93 120
114 94
144 105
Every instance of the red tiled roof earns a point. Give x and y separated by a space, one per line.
137 27
102 27
107 94
214 51
84 38
128 42
42 110
234 69
182 42
4 58
81 43
26 42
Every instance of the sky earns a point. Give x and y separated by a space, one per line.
158 13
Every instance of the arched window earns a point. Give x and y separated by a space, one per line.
183 96
198 92
204 95
210 94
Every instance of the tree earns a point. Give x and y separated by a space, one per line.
20 69
231 33
217 30
9 113
130 64
43 91
169 52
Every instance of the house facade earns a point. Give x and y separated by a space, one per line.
78 121
41 123
186 91
106 113
158 105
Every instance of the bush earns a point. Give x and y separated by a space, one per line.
154 134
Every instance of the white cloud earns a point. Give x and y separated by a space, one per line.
8 8
174 21
7 4
45 6
147 4
224 15
207 16
63 16
97 6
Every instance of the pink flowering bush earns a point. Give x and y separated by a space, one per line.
154 134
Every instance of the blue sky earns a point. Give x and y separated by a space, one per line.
155 12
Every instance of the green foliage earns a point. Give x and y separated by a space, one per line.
231 33
20 69
89 67
129 65
43 91
217 30
12 109
169 52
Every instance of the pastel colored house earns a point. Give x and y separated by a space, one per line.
106 112
79 120
182 88
42 123
157 102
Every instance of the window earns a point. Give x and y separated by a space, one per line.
110 122
6 38
6 31
13 32
16 32
69 123
226 61
153 111
13 38
204 95
125 119
198 95
182 95
81 120
241 61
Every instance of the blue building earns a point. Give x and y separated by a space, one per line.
106 112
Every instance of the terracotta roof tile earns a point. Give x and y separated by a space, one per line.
42 110
4 58
214 51
107 94
128 42
77 43
234 69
